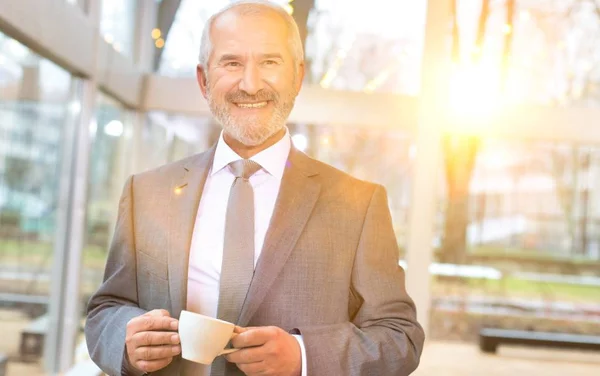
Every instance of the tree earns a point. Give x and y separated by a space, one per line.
460 153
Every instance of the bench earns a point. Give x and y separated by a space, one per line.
32 337
490 339
3 364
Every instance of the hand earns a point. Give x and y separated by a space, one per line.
267 351
150 340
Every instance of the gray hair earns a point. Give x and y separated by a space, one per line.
247 7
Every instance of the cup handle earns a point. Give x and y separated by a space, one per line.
231 350
228 351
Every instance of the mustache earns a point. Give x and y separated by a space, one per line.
260 96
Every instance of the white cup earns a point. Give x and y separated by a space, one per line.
203 338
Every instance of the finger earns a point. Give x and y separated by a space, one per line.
156 352
239 329
158 312
247 356
155 339
146 323
254 337
153 365
258 368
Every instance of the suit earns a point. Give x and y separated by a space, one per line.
328 269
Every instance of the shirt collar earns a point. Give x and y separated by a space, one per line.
272 159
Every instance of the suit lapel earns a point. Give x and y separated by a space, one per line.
185 198
298 194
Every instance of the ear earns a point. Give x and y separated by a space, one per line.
201 77
301 72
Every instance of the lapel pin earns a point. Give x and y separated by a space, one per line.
179 189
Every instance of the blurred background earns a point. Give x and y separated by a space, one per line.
480 117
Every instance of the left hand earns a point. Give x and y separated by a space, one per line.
266 351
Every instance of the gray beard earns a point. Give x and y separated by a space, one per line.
252 131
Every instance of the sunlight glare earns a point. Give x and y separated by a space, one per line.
475 90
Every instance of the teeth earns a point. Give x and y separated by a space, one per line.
252 105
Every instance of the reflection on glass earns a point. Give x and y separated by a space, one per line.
117 24
34 112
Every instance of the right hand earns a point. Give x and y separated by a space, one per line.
152 340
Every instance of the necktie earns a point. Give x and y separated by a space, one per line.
237 268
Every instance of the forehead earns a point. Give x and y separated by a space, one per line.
253 32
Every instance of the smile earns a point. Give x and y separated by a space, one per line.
252 105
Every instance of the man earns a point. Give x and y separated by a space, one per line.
301 256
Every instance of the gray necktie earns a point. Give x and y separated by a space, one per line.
237 268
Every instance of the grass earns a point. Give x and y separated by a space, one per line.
511 287
39 254
553 291
529 255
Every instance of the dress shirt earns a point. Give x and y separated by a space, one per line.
206 252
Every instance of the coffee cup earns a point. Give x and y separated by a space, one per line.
203 338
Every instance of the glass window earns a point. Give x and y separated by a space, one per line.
154 137
185 135
360 47
519 238
545 52
117 24
34 113
344 49
111 162
182 47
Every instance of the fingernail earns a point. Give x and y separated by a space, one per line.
174 325
175 339
175 350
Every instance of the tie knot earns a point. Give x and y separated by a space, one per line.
244 168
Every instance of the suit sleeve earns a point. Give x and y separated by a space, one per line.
383 337
116 301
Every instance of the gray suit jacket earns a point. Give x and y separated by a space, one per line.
328 270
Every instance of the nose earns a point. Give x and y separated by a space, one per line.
252 81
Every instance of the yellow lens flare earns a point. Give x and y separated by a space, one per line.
475 96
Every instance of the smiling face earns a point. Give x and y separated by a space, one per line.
251 79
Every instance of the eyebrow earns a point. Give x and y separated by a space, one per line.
272 56
229 57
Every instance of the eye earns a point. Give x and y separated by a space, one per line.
233 64
271 62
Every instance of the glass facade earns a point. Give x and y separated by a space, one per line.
35 118
111 162
348 49
117 24
542 52
344 50
516 239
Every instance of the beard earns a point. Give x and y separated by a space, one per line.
252 130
